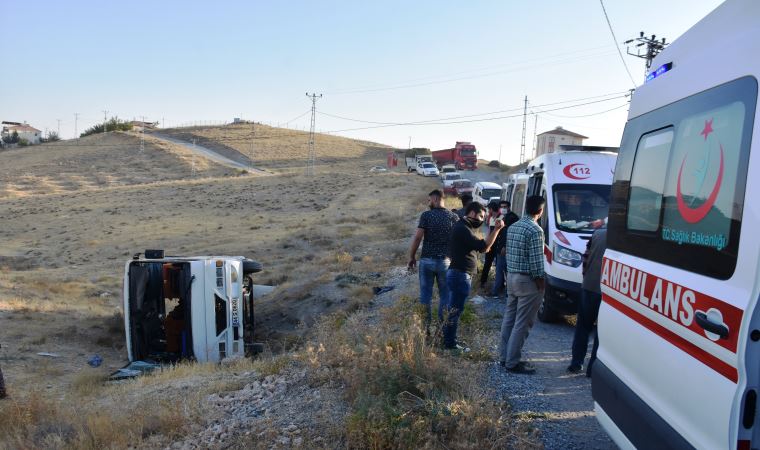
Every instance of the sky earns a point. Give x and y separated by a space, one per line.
389 62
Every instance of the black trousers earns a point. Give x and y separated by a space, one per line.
490 257
2 385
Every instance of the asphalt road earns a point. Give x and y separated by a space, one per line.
208 153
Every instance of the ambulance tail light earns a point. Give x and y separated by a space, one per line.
567 257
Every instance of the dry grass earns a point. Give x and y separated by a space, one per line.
405 393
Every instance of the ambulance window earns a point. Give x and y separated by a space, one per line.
647 180
702 178
519 199
679 188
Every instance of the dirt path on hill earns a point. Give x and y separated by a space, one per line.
208 153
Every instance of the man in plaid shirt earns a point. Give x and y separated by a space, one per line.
525 285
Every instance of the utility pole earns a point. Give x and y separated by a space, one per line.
312 149
253 135
653 48
499 153
142 135
409 147
535 128
76 119
525 118
105 120
59 128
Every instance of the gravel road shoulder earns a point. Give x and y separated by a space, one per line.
559 404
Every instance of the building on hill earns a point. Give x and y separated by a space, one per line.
138 125
25 131
549 141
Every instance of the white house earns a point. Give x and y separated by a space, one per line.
549 141
25 131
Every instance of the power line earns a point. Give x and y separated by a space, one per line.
617 94
471 120
471 77
615 41
585 115
463 72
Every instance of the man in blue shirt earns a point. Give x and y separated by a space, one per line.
433 230
525 284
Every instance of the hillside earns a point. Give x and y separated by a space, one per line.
343 367
274 148
96 162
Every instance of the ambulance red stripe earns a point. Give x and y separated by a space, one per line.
701 355
673 301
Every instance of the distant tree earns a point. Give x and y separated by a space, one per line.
113 124
23 142
14 137
411 153
52 136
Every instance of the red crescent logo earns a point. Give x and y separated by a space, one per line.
581 172
694 215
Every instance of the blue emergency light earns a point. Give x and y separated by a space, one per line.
660 70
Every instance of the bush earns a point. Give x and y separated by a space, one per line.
411 153
114 124
494 163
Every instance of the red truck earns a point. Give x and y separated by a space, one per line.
464 156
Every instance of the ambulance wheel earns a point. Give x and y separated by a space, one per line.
546 314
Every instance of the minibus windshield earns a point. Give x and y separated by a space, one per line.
581 208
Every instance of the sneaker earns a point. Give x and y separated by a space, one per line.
573 368
458 349
522 368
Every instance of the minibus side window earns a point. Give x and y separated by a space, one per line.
648 180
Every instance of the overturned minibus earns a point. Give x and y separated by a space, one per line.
188 308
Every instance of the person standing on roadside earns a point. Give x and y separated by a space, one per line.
3 394
466 200
591 298
434 231
493 214
465 241
525 285
500 247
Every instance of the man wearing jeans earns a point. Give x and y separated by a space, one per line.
433 230
465 242
500 247
591 298
525 285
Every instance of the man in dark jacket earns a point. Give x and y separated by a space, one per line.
591 298
500 247
465 242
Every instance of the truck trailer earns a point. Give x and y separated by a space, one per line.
464 155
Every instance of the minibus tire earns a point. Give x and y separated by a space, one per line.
546 313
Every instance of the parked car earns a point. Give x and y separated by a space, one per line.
427 169
448 168
485 192
449 178
459 187
378 169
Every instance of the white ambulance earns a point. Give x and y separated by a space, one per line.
679 329
576 187
196 308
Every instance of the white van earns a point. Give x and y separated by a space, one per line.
514 191
576 187
197 308
486 191
679 329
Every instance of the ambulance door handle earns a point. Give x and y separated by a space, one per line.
712 327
